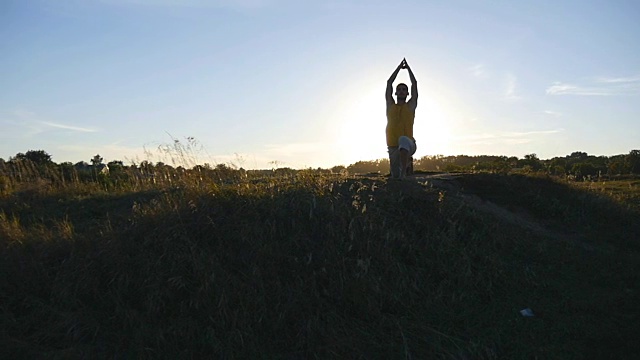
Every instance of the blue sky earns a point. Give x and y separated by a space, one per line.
301 84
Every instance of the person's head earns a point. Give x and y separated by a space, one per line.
402 91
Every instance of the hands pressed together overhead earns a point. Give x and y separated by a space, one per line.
414 84
404 64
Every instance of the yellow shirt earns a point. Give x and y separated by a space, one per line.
399 122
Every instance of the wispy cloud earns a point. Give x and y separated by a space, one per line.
294 148
507 84
629 79
559 88
34 125
600 86
536 132
242 4
553 113
79 9
23 114
510 87
479 71
510 138
67 127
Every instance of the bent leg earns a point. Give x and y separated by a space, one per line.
407 148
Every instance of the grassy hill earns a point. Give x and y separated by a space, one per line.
321 266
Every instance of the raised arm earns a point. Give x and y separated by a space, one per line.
392 78
413 102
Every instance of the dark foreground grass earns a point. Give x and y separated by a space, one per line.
321 267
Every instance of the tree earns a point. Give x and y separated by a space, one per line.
532 161
115 166
39 157
615 165
115 163
583 169
557 166
632 162
97 160
363 167
338 169
579 155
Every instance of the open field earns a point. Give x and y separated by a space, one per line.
322 266
626 192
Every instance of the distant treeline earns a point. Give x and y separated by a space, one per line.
578 164
37 164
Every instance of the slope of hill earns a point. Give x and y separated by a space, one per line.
323 267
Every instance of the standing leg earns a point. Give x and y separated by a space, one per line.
404 159
394 162
410 166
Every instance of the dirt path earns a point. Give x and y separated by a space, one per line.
448 182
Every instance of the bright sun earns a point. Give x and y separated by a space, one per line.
362 131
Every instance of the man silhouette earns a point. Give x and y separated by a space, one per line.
400 116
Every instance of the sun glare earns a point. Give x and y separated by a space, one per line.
433 128
361 135
362 130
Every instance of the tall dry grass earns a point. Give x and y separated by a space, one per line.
203 262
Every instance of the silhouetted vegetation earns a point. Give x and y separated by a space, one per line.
160 261
577 166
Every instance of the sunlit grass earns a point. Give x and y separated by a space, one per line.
623 191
